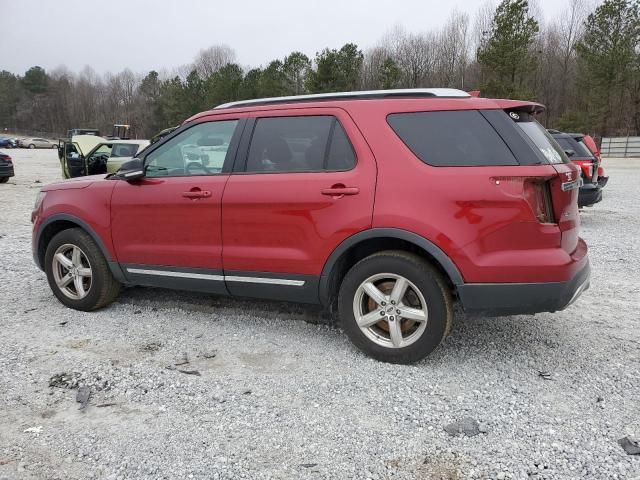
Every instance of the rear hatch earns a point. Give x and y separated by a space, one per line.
563 187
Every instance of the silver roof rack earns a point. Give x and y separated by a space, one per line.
359 95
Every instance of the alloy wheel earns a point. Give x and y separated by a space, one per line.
390 310
72 271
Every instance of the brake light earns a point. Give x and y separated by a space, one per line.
538 196
587 169
534 190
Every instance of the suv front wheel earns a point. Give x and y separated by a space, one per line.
395 307
78 273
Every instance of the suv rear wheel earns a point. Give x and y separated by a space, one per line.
78 273
395 307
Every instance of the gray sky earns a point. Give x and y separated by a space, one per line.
143 35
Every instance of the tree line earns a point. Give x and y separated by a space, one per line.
583 65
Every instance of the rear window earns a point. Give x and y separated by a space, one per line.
542 140
582 149
565 143
568 143
451 139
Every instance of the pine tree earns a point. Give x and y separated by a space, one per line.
608 67
505 57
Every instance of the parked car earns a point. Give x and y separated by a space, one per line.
83 131
6 168
575 148
7 142
36 143
72 152
386 207
123 151
102 155
593 147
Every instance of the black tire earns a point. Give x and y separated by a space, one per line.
104 287
431 286
4 179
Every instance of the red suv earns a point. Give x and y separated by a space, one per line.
386 207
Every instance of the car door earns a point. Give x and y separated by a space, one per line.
166 227
73 164
303 182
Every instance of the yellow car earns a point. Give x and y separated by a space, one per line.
92 155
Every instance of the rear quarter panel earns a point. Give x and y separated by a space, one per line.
481 227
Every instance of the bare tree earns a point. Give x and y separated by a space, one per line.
415 55
453 51
372 66
212 59
482 24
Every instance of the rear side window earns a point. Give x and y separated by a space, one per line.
451 139
299 144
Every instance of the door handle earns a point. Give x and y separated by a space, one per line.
339 191
196 193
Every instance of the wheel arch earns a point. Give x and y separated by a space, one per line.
364 243
59 222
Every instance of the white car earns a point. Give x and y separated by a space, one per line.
36 143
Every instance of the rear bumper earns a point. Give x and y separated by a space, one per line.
498 299
590 194
6 171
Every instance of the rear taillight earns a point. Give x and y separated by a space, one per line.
534 190
587 170
538 195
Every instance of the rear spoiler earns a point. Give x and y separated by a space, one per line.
531 108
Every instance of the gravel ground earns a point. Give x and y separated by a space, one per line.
282 395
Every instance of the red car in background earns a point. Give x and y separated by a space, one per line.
591 145
576 148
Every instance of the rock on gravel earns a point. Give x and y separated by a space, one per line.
630 445
465 426
318 408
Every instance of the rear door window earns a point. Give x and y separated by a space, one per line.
452 138
299 144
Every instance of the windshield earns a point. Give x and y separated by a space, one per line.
541 139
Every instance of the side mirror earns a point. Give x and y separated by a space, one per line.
131 170
570 153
